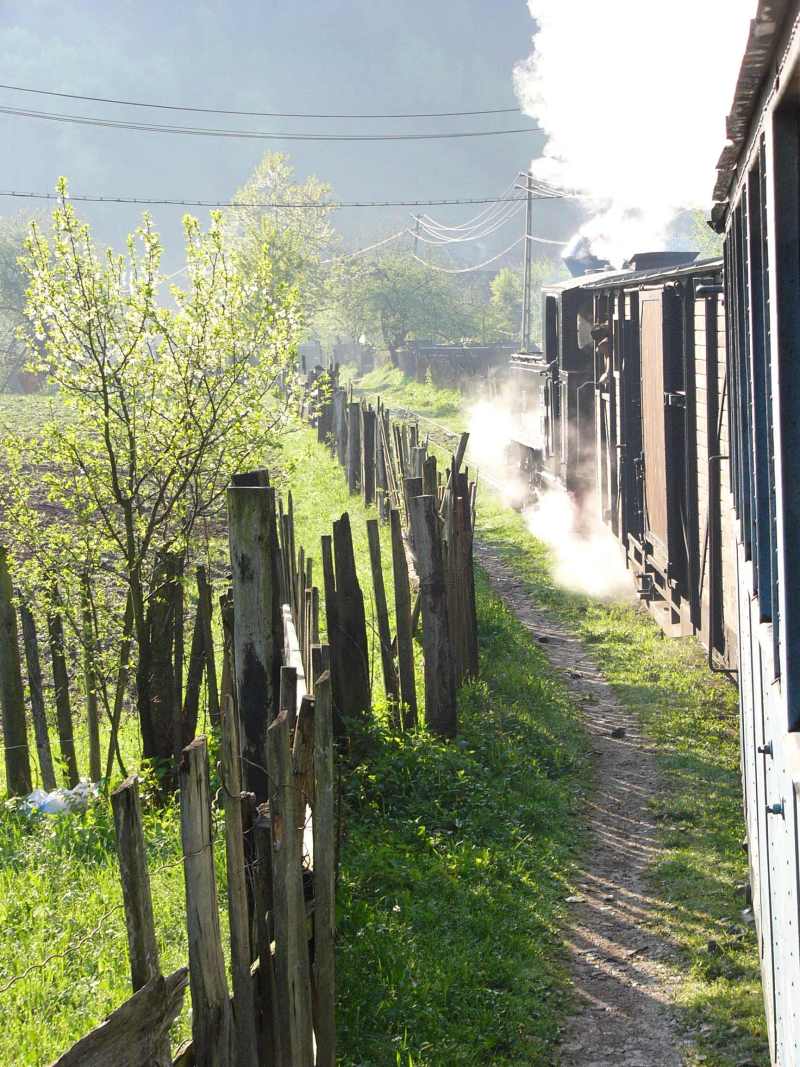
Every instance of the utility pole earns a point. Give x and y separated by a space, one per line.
416 234
526 277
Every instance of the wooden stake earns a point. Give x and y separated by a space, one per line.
440 683
402 602
390 681
244 1008
212 1022
324 829
31 643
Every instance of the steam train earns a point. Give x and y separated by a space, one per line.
670 396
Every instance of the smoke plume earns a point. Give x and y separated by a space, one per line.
586 557
633 96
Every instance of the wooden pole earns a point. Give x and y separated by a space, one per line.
244 1007
58 659
212 1023
402 603
194 678
257 647
33 663
440 683
324 830
390 681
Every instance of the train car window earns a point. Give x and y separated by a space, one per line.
762 572
551 328
768 407
785 271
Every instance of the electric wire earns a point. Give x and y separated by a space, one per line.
478 235
363 251
476 266
233 204
257 135
262 114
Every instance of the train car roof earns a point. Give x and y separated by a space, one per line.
770 33
624 278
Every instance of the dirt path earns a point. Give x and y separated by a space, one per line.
624 984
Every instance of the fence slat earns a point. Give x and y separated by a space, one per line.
142 944
402 607
353 447
212 1023
324 829
129 1036
291 948
440 685
12 696
257 647
244 1009
33 662
390 682
205 600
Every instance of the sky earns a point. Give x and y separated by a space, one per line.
283 55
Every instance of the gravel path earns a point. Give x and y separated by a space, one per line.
624 978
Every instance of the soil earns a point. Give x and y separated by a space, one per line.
625 976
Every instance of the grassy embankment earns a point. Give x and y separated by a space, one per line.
691 716
455 864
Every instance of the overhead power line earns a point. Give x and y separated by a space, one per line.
256 135
434 237
476 266
232 204
263 114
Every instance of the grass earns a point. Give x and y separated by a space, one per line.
455 863
691 716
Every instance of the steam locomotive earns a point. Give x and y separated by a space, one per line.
669 395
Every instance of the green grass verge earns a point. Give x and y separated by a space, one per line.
454 866
691 715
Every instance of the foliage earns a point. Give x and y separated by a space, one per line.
13 349
294 236
395 299
506 301
160 403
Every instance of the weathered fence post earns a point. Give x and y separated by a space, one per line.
349 640
90 680
324 830
205 596
291 948
368 454
353 447
340 425
132 854
440 684
257 647
212 1024
15 733
390 682
244 1009
33 662
402 610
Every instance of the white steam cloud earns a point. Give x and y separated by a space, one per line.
587 558
633 96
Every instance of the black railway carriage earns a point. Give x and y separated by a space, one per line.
758 209
632 394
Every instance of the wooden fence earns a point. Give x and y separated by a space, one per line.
431 516
277 783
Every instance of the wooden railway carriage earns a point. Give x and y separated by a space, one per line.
633 399
758 209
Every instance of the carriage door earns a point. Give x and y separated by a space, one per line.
663 414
